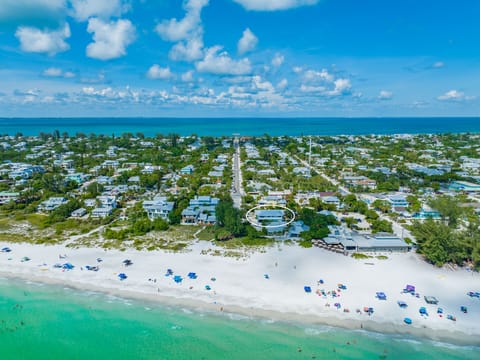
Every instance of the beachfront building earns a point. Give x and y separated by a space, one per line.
102 212
52 204
6 197
296 228
107 201
272 220
200 211
346 240
157 208
79 213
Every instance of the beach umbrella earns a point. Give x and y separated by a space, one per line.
122 276
6 249
68 266
381 296
407 321
177 279
463 309
307 289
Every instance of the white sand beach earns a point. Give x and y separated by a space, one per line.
240 285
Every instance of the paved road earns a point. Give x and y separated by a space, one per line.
237 190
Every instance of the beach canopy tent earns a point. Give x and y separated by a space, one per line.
122 276
409 289
67 266
431 300
6 249
177 279
402 304
207 287
451 317
266 276
439 311
423 311
381 296
407 321
192 275
463 309
307 289
169 272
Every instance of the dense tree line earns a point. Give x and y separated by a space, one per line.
454 239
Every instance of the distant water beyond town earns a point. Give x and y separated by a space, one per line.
243 126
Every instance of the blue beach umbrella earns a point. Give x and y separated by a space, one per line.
122 276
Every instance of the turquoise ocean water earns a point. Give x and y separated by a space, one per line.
52 322
244 126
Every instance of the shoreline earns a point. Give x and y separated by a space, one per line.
227 301
451 338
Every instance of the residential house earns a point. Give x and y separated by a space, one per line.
102 212
187 170
6 197
52 204
198 208
78 213
159 207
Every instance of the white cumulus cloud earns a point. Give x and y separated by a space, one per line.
188 76
57 72
385 95
454 95
278 60
157 72
176 30
110 39
282 84
220 63
189 50
272 5
187 32
43 41
247 42
84 9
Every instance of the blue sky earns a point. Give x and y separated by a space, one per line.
239 58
